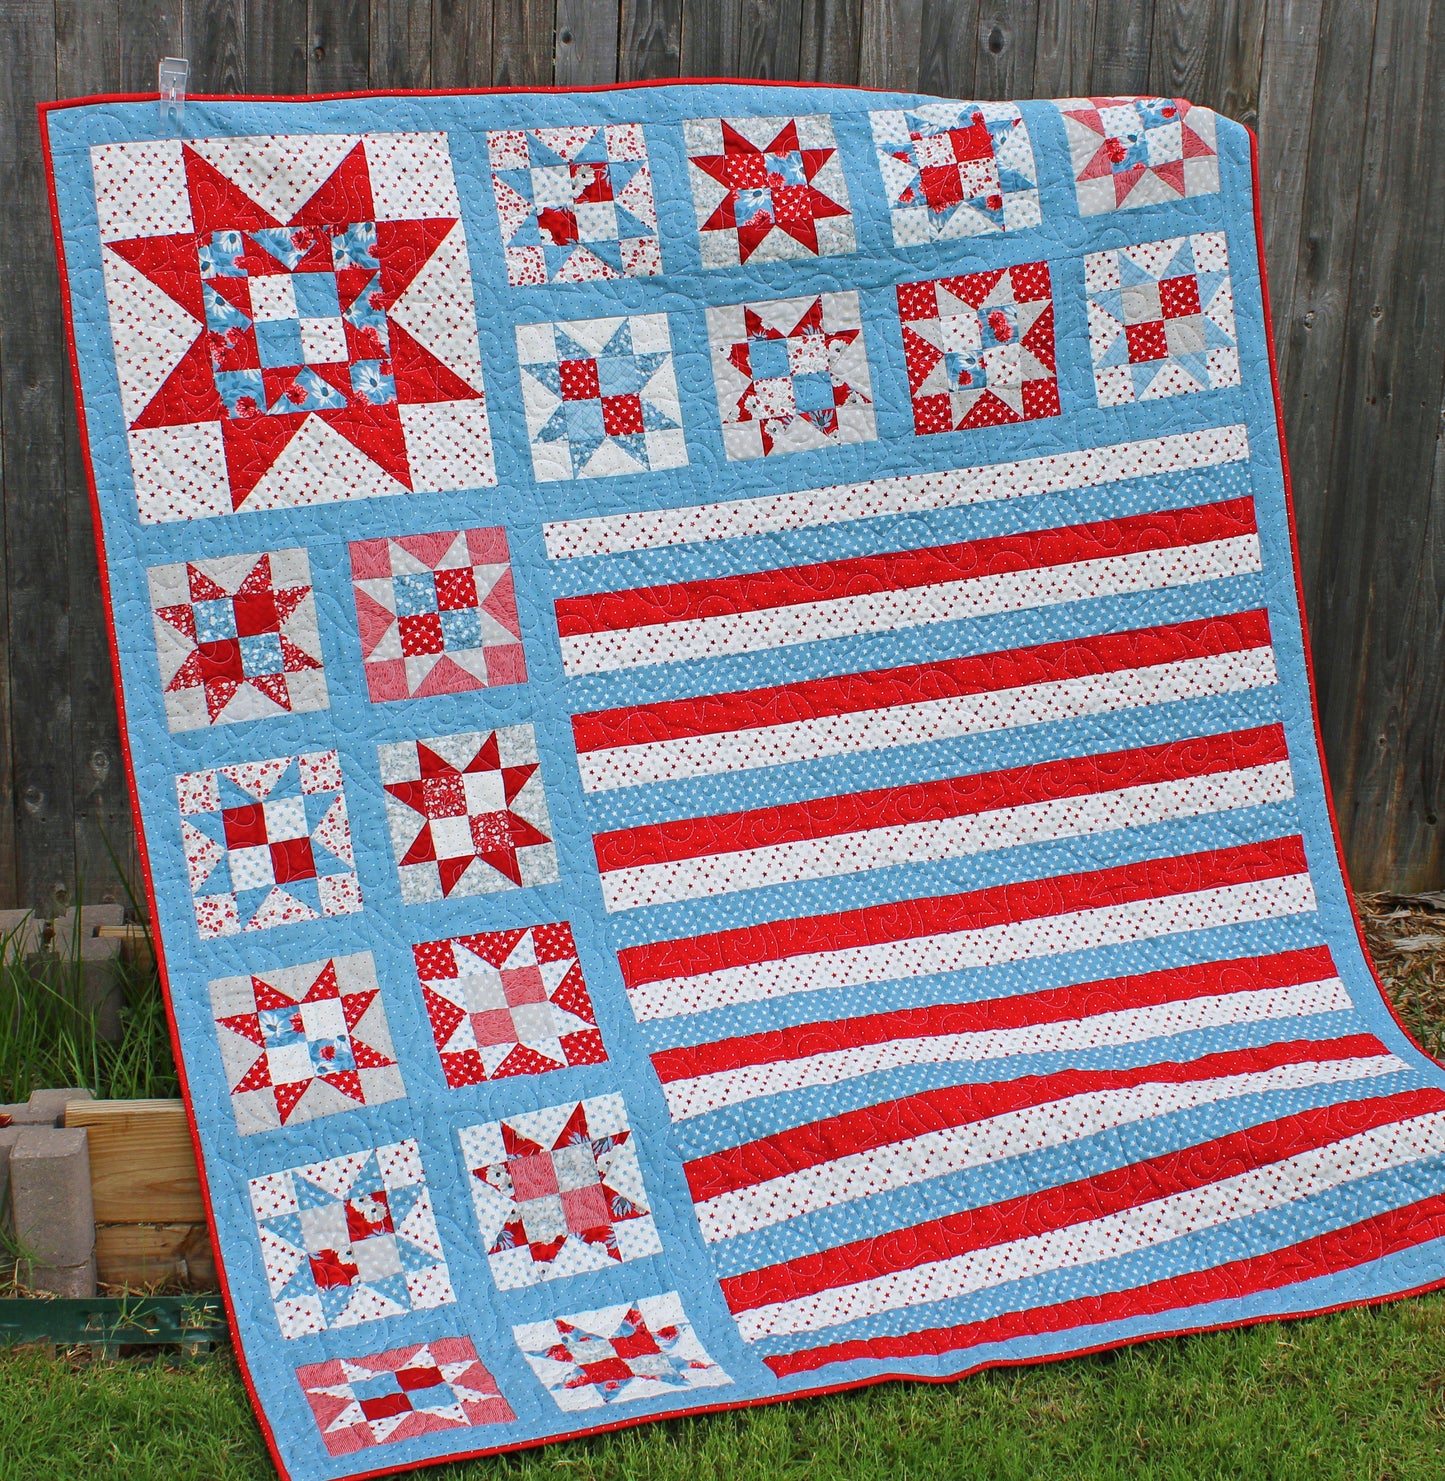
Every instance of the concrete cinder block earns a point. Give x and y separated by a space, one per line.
24 930
100 991
51 1211
44 1108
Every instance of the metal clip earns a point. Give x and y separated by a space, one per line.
173 76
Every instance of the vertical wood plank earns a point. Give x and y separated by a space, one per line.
892 44
770 34
948 47
149 30
522 42
399 53
651 40
586 48
339 59
214 37
710 37
1209 51
832 37
1007 44
462 43
1121 48
276 49
1063 47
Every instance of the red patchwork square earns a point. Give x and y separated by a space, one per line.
1179 297
292 860
1146 341
579 380
621 415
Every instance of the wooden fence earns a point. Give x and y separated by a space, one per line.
1346 96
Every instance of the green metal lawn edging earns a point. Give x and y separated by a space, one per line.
105 1324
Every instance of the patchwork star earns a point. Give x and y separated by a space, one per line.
237 639
621 1354
601 397
467 814
303 1042
267 843
505 1003
1161 319
387 1397
767 189
1129 152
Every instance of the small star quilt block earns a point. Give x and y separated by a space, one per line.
296 326
1130 152
980 349
350 1240
236 638
467 814
302 1042
437 614
767 189
391 1396
600 397
267 843
505 1003
621 1354
559 1191
575 204
1161 319
791 375
954 170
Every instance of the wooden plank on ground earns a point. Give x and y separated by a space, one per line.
650 43
155 1254
586 50
142 1162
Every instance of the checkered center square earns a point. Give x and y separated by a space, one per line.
558 1191
767 189
1161 319
386 1397
298 1043
638 1350
791 375
237 638
600 397
575 204
980 349
953 170
1129 152
299 328
505 1003
437 613
267 843
467 814
350 1240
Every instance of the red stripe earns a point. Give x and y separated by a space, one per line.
927 802
902 570
1055 1005
1069 1204
1326 1254
1016 668
914 1116
906 920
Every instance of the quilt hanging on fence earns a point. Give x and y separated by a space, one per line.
718 710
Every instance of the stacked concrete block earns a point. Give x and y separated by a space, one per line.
100 991
44 1108
24 930
45 1192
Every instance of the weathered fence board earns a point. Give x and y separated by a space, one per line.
1346 96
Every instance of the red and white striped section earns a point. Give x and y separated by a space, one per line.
699 1078
640 744
695 858
1014 922
895 1145
649 529
1143 1206
763 610
1337 1250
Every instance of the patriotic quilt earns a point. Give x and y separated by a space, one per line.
719 719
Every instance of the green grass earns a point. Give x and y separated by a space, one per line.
1355 1396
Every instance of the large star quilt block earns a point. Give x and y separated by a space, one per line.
236 638
302 1042
980 348
1161 319
1129 152
791 374
267 843
621 1354
558 1191
575 205
437 613
387 1397
350 1240
292 320
505 1003
954 170
467 814
767 189
600 397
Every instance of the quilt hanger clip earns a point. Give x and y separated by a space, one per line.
173 75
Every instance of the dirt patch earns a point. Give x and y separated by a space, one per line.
1406 937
